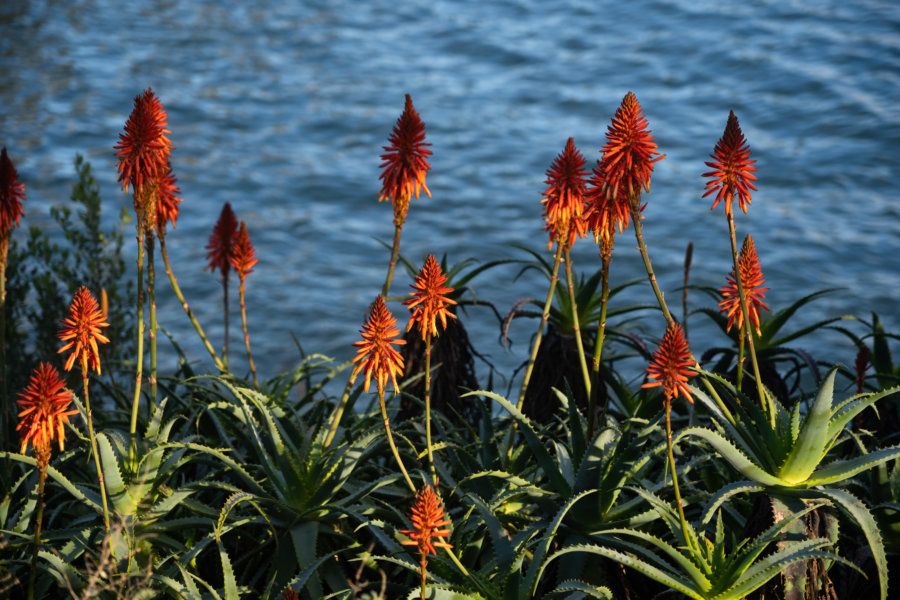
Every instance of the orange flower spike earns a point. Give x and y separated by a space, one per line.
732 168
670 365
243 257
43 412
167 200
12 194
143 149
221 242
429 301
564 198
405 162
605 212
630 150
376 353
751 281
427 516
81 331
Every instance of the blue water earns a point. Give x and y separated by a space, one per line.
282 109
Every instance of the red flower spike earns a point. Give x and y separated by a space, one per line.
143 149
243 256
751 281
629 153
606 212
564 199
12 194
670 365
167 200
427 516
733 170
221 242
43 412
81 331
405 162
376 353
429 301
289 594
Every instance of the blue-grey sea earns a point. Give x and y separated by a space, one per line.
282 109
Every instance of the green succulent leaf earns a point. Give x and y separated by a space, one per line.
808 451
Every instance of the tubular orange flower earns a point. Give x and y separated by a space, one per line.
751 281
428 302
243 257
43 412
12 194
376 350
564 199
629 153
671 364
221 242
81 329
405 162
167 200
143 149
427 516
606 212
733 170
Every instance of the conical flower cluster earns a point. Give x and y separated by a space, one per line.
376 353
81 332
221 242
43 406
671 363
243 257
564 198
732 172
427 516
405 162
12 194
429 300
630 151
752 281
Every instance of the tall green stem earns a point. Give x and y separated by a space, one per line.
339 412
247 335
187 309
139 368
605 260
225 306
90 421
7 430
680 505
42 477
387 428
575 322
151 293
554 277
642 246
428 408
395 247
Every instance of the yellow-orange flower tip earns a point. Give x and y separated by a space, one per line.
752 281
630 151
243 257
43 412
564 197
429 301
221 242
143 150
81 332
376 353
405 162
167 200
12 194
427 516
671 364
732 168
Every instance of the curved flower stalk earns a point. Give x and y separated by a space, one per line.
629 156
405 166
43 405
732 175
81 332
221 250
429 303
429 523
12 194
381 361
564 213
242 259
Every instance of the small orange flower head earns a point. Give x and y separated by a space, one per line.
670 365
427 516
167 200
43 412
751 281
12 194
630 151
243 256
405 162
221 242
564 198
732 168
606 212
429 301
144 149
376 353
81 331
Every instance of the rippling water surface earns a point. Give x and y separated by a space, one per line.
282 109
